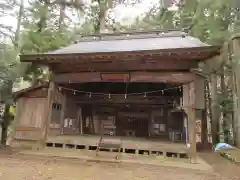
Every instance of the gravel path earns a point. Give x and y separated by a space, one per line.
19 168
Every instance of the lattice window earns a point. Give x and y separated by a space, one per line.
56 113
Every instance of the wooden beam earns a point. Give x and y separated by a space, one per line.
124 65
23 128
166 77
144 77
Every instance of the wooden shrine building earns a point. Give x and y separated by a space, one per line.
142 87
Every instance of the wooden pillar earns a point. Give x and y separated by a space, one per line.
204 129
62 116
189 107
192 122
200 107
48 111
80 118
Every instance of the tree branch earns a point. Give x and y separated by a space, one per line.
78 4
9 28
7 35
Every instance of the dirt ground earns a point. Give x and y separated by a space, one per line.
26 168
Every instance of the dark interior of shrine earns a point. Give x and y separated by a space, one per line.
128 109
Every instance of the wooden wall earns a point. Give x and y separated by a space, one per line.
69 118
30 118
64 115
58 108
104 117
70 124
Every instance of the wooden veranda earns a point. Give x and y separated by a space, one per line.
130 145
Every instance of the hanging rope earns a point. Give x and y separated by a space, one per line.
75 91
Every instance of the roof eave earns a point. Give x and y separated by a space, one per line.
20 93
41 58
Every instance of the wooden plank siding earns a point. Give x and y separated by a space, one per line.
153 77
124 65
56 115
71 123
31 115
30 118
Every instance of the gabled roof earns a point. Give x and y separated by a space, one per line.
132 42
22 92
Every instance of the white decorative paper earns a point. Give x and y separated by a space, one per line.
65 122
70 123
156 126
162 127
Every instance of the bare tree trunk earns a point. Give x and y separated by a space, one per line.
232 85
61 16
225 124
6 121
20 15
204 127
209 99
215 110
100 24
41 24
236 111
236 89
7 118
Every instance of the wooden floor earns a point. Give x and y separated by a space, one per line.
128 143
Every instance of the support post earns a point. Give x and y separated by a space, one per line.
204 129
62 116
192 122
189 100
48 111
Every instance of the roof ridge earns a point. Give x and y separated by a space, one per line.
129 36
136 32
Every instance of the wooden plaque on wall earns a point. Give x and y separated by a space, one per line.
116 77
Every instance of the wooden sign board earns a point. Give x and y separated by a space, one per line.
115 77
